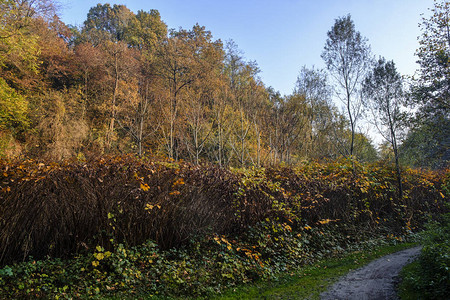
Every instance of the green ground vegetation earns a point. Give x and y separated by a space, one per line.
309 281
429 276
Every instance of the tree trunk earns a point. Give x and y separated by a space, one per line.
113 106
397 165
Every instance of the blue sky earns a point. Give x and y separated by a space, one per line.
284 35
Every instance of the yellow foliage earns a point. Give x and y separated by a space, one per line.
145 187
287 227
148 206
179 181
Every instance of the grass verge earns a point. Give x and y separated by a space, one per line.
407 290
429 276
310 281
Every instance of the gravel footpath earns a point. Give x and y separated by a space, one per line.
374 281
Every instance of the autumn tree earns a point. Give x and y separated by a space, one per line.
19 47
313 85
199 121
288 126
20 62
14 118
61 129
244 93
107 23
89 63
218 150
143 33
184 58
347 57
273 136
105 27
200 95
57 67
259 114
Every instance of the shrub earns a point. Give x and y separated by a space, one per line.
89 226
63 209
429 277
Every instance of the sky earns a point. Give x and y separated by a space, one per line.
284 35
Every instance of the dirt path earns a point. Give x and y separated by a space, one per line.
375 281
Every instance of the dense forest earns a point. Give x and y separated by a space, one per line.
125 83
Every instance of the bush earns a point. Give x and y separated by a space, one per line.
123 225
429 277
60 210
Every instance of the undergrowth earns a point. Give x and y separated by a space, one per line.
126 226
429 276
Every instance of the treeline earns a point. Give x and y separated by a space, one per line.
125 83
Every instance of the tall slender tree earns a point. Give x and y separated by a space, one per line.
242 80
383 95
347 57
